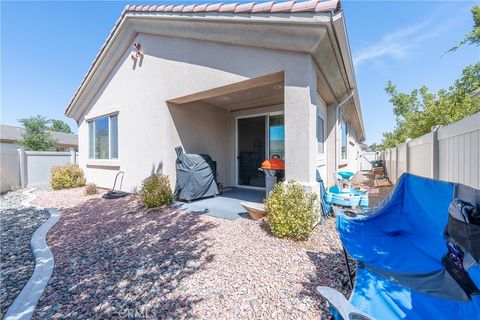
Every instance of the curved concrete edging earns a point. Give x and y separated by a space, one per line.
24 304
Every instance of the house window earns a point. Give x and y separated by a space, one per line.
320 134
276 136
103 138
344 140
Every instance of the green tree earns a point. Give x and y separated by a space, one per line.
418 111
37 136
375 147
473 37
60 126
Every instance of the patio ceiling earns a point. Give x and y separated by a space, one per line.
258 92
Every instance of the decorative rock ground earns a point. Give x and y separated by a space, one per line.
114 259
17 226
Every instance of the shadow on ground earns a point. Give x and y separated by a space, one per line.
113 259
331 271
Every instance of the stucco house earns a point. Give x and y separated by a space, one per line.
240 82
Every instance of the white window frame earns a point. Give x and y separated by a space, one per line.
345 123
321 156
92 120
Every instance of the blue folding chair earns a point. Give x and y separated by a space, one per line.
417 256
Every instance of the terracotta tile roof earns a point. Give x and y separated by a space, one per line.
312 6
251 7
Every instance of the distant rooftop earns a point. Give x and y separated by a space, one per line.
13 133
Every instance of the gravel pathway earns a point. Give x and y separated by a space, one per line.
116 260
17 226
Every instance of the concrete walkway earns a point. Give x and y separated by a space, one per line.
24 305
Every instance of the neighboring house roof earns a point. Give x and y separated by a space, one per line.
13 133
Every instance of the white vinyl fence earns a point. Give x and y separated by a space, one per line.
366 157
450 153
10 170
30 168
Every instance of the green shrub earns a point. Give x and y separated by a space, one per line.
66 176
291 211
90 189
156 191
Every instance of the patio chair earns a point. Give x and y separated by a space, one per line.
417 254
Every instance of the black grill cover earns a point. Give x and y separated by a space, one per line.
196 176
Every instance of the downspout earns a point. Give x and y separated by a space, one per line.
332 14
344 100
337 122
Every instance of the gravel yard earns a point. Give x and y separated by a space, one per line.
115 259
17 226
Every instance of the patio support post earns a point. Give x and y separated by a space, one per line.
300 125
331 142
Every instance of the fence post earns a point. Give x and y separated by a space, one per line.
435 155
407 155
22 158
73 158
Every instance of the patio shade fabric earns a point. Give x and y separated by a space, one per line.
399 249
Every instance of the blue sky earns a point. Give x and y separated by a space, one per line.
46 48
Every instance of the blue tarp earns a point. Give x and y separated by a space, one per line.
406 235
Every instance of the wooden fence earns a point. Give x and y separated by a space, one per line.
450 153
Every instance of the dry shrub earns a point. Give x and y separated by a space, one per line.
156 191
66 176
291 211
91 189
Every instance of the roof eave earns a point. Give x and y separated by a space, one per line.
306 36
338 25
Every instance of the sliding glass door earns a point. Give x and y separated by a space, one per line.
258 138
251 151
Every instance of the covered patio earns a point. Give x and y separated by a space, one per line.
239 125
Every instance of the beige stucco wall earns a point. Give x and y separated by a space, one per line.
172 67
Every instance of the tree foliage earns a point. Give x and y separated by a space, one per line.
418 111
37 136
60 126
375 147
473 37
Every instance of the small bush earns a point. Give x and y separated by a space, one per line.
291 212
90 189
66 176
156 191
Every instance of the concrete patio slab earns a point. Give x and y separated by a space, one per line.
226 206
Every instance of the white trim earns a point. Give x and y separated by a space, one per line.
343 120
92 120
321 157
97 115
